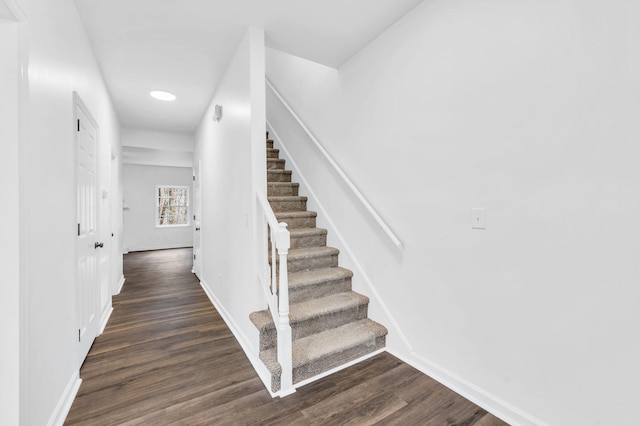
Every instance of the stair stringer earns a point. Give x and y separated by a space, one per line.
378 310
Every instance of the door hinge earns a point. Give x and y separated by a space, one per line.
194 178
194 217
78 230
194 257
78 124
78 335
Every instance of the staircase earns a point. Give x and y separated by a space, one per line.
329 322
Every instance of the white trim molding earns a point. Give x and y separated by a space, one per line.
66 400
120 284
496 406
255 360
106 314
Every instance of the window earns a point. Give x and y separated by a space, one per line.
172 205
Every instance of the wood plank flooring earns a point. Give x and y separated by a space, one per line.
167 358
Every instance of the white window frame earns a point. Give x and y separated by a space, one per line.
157 207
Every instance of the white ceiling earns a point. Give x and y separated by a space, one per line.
184 46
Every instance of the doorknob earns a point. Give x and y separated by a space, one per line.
197 229
96 245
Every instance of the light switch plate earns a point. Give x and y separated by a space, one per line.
478 218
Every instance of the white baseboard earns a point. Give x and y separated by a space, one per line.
257 364
105 318
496 406
160 247
66 400
120 284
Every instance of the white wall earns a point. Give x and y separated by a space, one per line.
528 109
117 224
140 230
150 139
60 62
227 151
154 148
9 226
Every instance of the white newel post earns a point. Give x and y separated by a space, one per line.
284 329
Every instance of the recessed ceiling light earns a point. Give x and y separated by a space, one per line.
163 96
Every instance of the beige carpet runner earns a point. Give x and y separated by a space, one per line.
329 321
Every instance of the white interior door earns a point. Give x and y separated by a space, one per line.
88 244
197 210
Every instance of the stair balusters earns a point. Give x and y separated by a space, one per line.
278 290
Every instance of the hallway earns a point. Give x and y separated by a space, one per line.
167 357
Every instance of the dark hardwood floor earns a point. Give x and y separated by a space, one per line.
167 357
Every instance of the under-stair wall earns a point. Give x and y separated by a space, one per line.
231 155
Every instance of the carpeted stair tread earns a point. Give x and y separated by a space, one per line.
332 341
277 175
298 219
310 252
271 198
275 164
288 203
286 184
305 252
300 312
317 276
329 343
309 258
306 232
306 285
278 171
326 305
307 237
282 188
284 215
